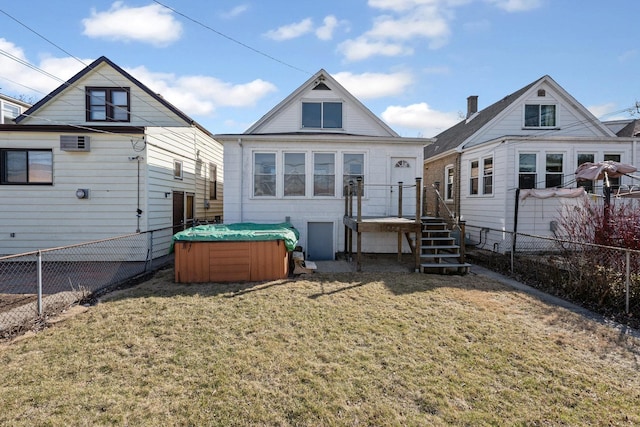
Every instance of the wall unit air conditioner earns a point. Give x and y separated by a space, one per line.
75 143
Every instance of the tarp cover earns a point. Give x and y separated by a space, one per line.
242 231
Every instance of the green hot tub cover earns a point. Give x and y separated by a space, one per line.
242 231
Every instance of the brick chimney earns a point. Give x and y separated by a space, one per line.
472 105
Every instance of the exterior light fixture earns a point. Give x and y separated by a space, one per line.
82 193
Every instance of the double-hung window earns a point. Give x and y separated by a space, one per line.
554 170
26 167
448 179
527 169
539 115
264 174
487 175
106 104
473 178
324 174
585 183
322 115
294 174
353 167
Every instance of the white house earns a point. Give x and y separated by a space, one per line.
533 138
102 156
291 165
10 109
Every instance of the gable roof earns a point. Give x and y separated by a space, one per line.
319 78
90 68
632 129
457 135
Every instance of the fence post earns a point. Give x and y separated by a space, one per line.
513 245
627 279
39 264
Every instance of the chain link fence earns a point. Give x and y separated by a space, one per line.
37 285
605 279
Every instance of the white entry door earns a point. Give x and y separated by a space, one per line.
403 169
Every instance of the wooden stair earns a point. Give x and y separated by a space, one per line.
439 252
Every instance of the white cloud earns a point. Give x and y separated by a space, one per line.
363 48
374 85
325 32
425 22
516 5
608 111
202 95
236 11
152 24
406 21
291 31
420 117
21 77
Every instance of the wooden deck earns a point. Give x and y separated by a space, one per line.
410 227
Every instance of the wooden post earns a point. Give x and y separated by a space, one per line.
424 201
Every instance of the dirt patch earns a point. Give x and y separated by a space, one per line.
11 301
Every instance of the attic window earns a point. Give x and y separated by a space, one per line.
542 92
539 115
321 86
107 104
322 115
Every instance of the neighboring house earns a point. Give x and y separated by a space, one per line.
292 164
11 108
101 156
532 139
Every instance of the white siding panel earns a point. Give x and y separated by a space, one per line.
69 106
241 206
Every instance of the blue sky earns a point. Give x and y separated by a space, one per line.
412 62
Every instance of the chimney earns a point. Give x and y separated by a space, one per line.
472 105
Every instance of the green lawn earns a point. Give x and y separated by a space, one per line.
379 349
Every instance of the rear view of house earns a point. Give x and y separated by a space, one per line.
101 156
521 152
293 163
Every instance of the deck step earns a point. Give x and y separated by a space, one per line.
440 255
429 247
444 265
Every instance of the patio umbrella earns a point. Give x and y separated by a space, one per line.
601 170
604 170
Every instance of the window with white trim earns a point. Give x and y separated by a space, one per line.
539 115
324 174
585 183
527 170
554 170
294 174
487 175
448 182
473 177
322 115
353 167
177 169
264 174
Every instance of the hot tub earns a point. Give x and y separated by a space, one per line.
233 252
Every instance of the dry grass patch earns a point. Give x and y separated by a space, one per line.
342 349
